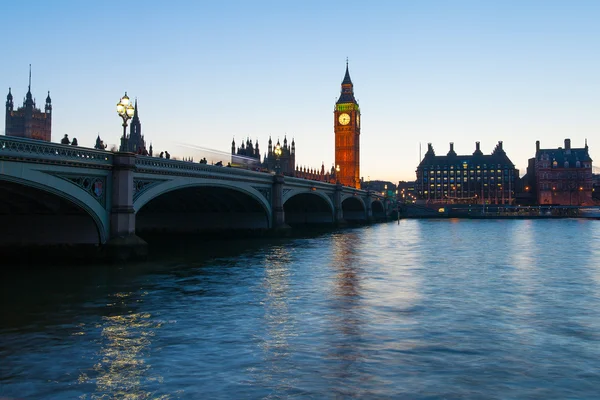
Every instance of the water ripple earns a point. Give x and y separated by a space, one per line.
422 310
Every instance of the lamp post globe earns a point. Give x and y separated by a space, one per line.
125 110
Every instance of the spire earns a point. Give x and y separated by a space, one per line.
9 101
48 99
28 97
347 80
347 95
135 112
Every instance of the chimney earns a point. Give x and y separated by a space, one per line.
451 146
500 144
567 144
537 146
477 146
429 147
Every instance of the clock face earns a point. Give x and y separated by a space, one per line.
357 120
344 119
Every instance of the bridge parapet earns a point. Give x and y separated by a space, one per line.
37 150
161 165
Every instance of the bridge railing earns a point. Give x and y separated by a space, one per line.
30 149
145 163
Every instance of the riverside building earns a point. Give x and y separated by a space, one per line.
467 179
561 176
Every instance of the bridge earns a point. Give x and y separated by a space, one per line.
60 194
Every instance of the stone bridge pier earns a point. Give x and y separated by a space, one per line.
123 242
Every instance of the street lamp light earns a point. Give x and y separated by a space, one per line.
277 152
125 110
337 173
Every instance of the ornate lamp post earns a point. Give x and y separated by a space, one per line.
125 110
277 152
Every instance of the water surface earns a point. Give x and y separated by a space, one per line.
425 309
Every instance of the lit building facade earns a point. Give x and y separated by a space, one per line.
562 176
28 121
249 154
472 179
346 125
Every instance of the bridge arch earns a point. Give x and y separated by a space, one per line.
354 209
66 214
308 207
378 209
201 205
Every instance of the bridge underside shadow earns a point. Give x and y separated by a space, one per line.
31 216
353 211
201 210
307 209
378 211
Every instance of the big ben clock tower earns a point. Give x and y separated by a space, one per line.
346 123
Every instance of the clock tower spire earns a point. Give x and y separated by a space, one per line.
346 126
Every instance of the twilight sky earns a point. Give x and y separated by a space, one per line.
207 71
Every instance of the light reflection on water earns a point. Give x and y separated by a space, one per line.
122 368
420 309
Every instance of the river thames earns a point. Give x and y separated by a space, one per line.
423 309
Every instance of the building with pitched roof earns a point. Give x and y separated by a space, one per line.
561 176
454 178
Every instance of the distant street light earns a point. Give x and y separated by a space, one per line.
277 152
125 111
337 173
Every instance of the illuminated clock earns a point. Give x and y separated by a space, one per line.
344 119
357 120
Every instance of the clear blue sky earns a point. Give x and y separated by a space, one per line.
423 71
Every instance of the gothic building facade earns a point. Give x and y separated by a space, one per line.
249 154
346 125
136 143
28 121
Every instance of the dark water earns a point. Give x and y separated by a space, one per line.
422 310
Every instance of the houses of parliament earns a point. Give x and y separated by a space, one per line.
346 127
28 121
